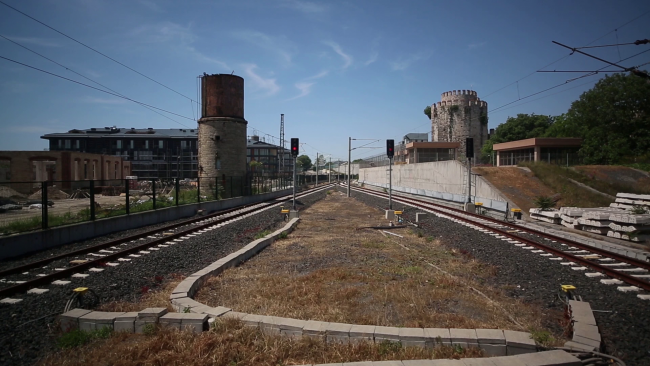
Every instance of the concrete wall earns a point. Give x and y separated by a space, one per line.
17 245
442 179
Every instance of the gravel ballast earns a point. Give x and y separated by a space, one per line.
23 338
623 319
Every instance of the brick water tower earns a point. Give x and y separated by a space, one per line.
222 127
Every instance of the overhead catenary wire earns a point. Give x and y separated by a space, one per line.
92 87
96 51
87 78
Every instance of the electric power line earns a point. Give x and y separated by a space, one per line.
94 50
87 78
92 87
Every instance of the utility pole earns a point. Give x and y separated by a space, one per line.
317 169
469 179
349 164
329 171
281 155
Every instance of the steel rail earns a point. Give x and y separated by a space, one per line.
607 270
595 250
21 287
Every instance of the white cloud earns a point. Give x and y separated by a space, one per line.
404 63
307 7
278 45
34 40
260 83
319 75
373 58
151 5
305 89
173 35
475 45
347 59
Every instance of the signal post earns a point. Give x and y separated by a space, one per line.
294 153
390 152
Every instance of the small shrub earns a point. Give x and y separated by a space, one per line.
329 193
150 329
639 210
429 239
388 347
186 310
544 202
76 337
542 337
283 235
262 234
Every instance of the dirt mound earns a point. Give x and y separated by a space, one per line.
52 193
628 179
519 185
6 192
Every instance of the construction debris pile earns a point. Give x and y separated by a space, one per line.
628 218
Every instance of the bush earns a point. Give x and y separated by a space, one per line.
544 202
76 338
639 210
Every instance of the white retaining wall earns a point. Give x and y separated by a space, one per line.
442 180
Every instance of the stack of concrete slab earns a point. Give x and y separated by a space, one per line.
627 201
586 336
596 220
628 226
570 216
548 215
195 323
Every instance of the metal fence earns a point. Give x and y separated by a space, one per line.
26 206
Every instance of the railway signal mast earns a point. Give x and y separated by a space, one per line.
295 147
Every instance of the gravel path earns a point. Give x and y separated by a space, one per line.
22 344
623 319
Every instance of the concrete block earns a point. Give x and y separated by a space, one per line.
448 363
490 336
338 332
195 323
218 311
125 322
586 341
97 320
386 334
412 337
418 363
252 320
141 324
586 331
70 319
268 326
234 315
315 329
435 336
521 340
584 318
150 313
387 363
463 336
419 216
362 333
288 326
548 358
493 349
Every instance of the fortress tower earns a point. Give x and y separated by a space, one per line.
460 114
222 127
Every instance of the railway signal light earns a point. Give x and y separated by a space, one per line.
469 147
390 148
294 147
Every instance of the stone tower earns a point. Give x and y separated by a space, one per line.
460 114
222 127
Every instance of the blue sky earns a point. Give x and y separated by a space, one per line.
364 69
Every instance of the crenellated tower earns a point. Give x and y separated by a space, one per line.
458 115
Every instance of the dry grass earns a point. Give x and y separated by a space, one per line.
150 299
327 270
231 343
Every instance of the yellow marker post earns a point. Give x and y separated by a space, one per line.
398 212
567 288
81 290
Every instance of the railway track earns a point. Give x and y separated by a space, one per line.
620 269
50 271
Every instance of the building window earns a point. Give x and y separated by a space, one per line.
183 144
160 144
119 144
86 169
67 144
59 143
132 145
146 145
78 144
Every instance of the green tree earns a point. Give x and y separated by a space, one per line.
357 161
304 162
612 118
427 111
524 126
